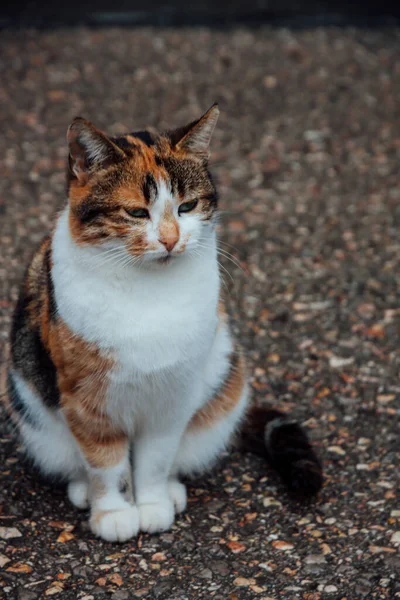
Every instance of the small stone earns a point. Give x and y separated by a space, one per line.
205 574
316 533
120 595
270 82
330 589
385 398
221 567
54 589
158 557
336 362
257 589
281 545
3 560
336 450
395 539
28 595
395 513
243 582
271 502
142 593
362 441
6 533
314 559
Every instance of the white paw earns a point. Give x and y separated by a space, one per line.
115 525
157 516
78 493
177 493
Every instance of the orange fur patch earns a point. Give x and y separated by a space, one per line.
82 379
82 372
226 398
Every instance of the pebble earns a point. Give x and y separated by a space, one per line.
7 533
315 559
4 560
243 582
395 539
330 589
335 362
281 545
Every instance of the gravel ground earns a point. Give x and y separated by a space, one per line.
307 158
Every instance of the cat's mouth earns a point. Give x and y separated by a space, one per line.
164 260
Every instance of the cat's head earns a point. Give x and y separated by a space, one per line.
145 195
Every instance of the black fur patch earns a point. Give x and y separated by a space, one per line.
50 286
149 188
88 210
146 137
269 433
30 357
124 144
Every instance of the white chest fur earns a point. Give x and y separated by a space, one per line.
151 319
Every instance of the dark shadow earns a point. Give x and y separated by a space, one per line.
211 13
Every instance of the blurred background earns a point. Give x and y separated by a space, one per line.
306 157
207 12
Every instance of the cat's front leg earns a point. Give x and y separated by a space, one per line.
156 495
105 450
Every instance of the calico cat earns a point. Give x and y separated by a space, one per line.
124 372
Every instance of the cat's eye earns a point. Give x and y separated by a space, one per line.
187 207
138 213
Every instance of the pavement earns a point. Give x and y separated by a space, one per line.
307 157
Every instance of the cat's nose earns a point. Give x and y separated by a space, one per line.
168 233
169 241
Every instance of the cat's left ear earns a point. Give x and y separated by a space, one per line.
195 138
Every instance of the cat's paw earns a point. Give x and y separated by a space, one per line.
78 493
177 493
115 525
157 516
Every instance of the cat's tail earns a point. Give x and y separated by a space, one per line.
282 441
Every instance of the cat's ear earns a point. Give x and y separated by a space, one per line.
89 149
195 138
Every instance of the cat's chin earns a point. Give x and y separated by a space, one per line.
165 260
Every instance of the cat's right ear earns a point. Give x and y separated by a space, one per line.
89 150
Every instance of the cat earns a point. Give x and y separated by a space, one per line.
124 373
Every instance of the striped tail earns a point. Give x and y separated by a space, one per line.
272 435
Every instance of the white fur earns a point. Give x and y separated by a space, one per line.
78 492
117 525
50 443
159 325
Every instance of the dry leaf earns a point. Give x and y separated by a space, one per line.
116 578
236 547
65 536
378 549
158 557
61 525
20 568
55 588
